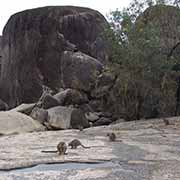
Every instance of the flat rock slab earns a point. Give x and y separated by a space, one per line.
12 122
144 150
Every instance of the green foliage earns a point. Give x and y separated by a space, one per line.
160 2
146 81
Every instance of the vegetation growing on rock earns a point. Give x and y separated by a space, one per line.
146 86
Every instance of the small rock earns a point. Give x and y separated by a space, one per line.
71 96
60 96
92 117
78 119
49 101
102 121
66 117
39 114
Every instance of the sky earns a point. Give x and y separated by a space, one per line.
9 7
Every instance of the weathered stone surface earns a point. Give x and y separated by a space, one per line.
24 108
59 117
33 41
49 101
167 20
3 105
79 71
0 53
144 150
66 117
39 114
78 119
71 96
61 96
83 27
16 122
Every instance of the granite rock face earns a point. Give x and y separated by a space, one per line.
32 45
61 117
39 114
49 101
71 97
24 108
79 71
3 106
16 122
166 19
144 150
0 52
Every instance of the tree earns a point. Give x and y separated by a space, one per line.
176 3
146 84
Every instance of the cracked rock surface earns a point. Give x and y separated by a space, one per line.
144 150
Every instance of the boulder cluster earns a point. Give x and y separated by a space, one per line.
61 48
54 64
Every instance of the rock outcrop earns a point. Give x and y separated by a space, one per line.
0 52
79 71
33 42
24 108
71 97
49 101
3 106
16 122
66 117
62 48
167 20
144 150
39 114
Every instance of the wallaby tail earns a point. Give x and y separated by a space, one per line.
49 151
84 146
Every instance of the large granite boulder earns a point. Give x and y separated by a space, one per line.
66 117
71 97
92 117
79 71
0 52
166 21
32 44
3 105
16 122
39 114
49 101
